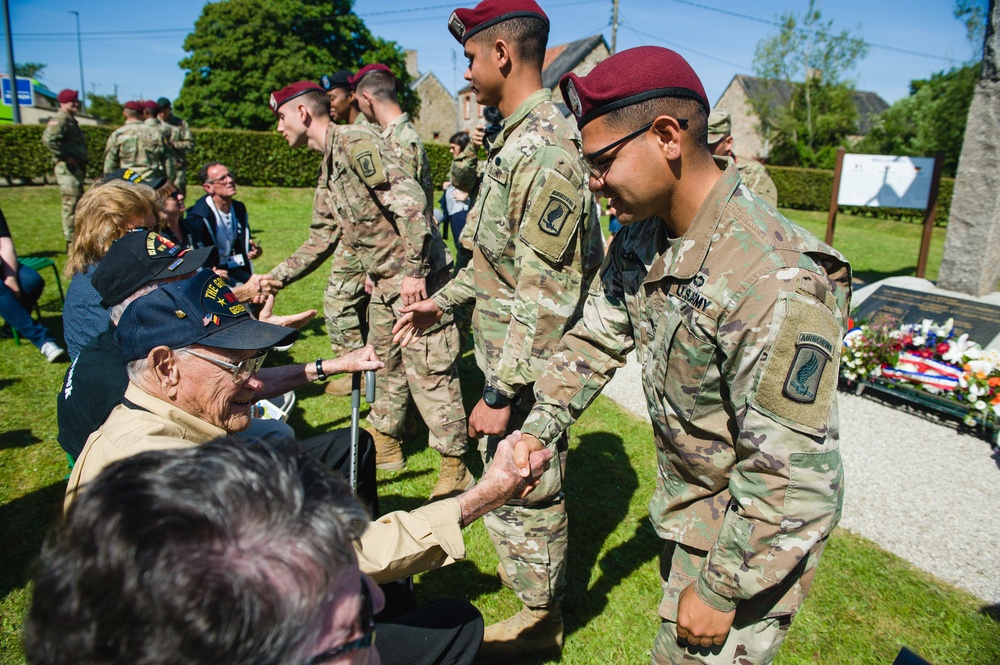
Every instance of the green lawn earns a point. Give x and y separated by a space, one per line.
866 603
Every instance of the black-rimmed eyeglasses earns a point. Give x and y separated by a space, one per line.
222 178
598 169
367 621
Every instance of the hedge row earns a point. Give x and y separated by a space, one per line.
261 159
264 159
811 189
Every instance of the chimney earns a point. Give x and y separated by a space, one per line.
411 64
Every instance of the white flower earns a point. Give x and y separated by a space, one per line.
981 366
980 405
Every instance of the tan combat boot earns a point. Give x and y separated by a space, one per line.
388 452
531 633
339 385
453 480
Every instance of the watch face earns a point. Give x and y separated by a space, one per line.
490 397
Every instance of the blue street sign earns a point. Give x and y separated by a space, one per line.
24 97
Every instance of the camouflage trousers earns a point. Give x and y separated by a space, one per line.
180 178
531 535
70 181
426 370
760 625
345 302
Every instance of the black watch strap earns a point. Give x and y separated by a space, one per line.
320 374
494 398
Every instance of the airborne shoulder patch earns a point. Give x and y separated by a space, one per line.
799 380
366 160
550 221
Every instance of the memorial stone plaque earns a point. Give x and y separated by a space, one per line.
891 304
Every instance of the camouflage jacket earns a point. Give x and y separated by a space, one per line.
64 139
466 174
738 325
180 139
135 146
537 245
402 137
755 177
365 198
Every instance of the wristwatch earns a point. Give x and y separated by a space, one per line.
320 374
494 398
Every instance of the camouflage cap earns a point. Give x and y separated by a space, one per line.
630 77
464 23
720 125
67 95
290 92
365 71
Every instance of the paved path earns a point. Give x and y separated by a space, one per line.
917 488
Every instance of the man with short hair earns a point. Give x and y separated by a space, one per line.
753 174
218 219
64 139
538 246
366 199
345 300
737 315
135 146
374 89
228 553
180 142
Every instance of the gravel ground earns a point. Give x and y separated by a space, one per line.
912 485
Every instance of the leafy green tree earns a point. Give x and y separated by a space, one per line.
29 70
812 59
973 14
104 107
931 118
242 50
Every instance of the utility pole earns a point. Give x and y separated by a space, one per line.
79 51
15 107
614 27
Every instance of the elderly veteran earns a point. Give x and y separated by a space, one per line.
213 574
737 315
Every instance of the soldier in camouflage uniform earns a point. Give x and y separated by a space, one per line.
64 139
752 173
737 316
180 142
345 301
375 92
135 146
365 199
150 118
538 246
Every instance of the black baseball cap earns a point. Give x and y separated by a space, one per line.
138 258
339 80
198 310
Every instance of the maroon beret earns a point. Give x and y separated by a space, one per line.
291 92
151 105
629 77
67 95
134 106
464 23
365 71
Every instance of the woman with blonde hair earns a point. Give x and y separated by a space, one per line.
106 212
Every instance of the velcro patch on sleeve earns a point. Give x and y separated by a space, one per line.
798 383
367 163
550 222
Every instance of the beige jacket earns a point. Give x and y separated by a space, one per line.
395 546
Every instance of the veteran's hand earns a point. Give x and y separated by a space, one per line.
296 321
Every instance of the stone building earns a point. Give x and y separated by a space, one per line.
747 140
436 121
578 57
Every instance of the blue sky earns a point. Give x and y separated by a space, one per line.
136 46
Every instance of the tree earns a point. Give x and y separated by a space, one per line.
810 58
242 50
973 14
29 70
104 107
931 118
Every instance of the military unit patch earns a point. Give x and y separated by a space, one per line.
555 214
544 227
812 352
219 299
368 163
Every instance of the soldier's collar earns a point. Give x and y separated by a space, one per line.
692 248
519 114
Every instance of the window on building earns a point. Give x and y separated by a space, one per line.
465 103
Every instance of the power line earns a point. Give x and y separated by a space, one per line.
681 47
765 21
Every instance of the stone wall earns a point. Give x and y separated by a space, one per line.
437 111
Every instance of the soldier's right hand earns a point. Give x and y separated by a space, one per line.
504 466
478 135
416 318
